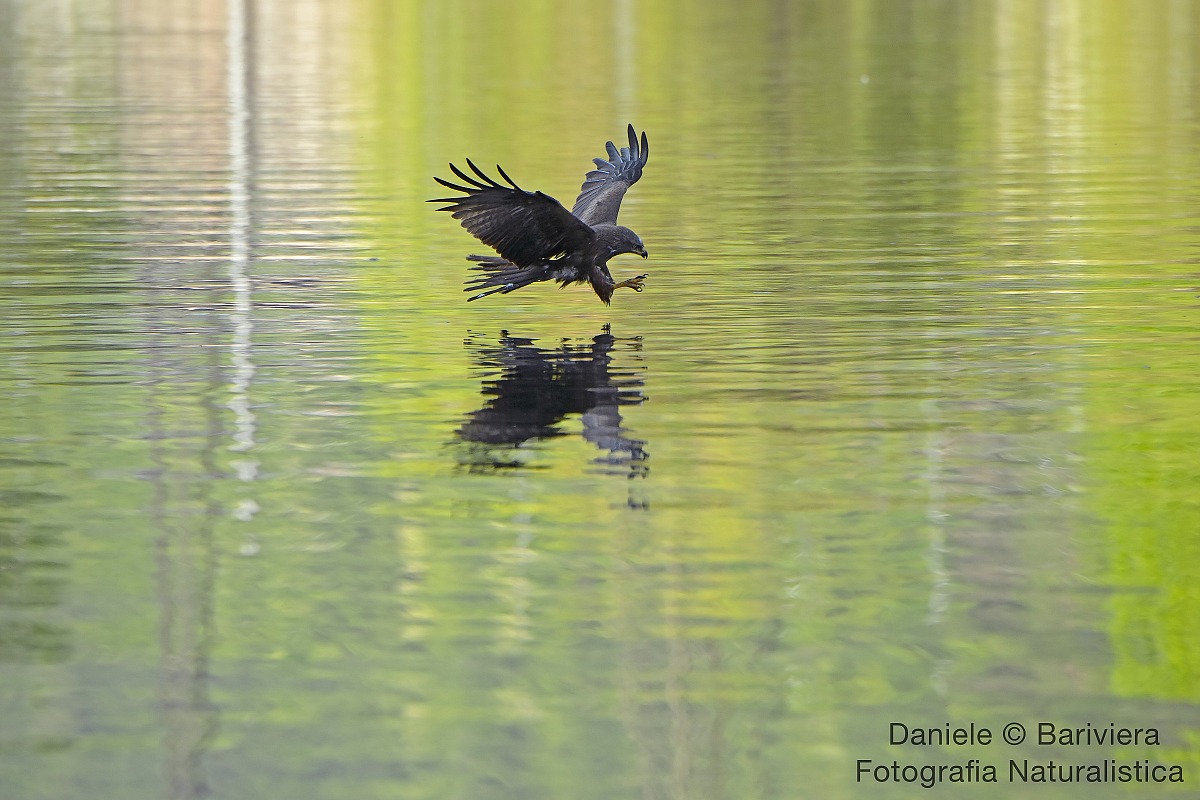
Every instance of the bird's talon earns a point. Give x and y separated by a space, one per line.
635 283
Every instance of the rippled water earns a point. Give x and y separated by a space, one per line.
903 427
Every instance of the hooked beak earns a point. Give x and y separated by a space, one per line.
643 253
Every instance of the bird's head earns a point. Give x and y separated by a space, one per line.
626 241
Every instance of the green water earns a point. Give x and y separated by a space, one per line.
903 428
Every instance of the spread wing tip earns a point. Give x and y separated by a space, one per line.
511 182
640 150
600 195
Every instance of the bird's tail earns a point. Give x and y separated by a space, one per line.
501 276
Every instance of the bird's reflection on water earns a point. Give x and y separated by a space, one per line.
529 391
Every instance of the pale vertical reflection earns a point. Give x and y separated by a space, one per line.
626 67
1181 22
239 237
239 254
1064 91
1007 83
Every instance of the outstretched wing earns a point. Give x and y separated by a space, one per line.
600 197
523 227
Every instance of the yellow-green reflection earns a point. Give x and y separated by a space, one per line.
914 371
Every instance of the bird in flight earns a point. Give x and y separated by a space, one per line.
537 239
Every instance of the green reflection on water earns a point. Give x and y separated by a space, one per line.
914 370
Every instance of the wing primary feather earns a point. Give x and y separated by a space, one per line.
613 155
467 178
453 186
645 147
504 175
483 174
633 143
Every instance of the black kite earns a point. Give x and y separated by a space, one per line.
538 239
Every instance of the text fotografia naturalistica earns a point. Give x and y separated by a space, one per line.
1020 771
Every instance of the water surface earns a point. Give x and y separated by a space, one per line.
902 428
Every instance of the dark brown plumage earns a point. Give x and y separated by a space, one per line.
537 239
